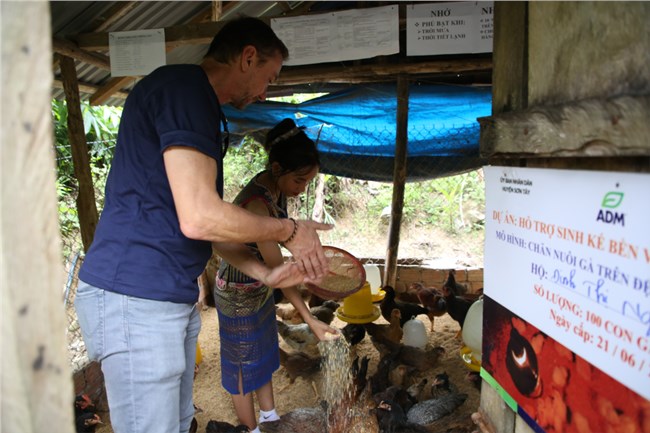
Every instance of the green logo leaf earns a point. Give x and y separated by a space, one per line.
612 199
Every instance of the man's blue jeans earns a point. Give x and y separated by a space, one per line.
147 350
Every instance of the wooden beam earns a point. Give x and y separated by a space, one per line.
114 14
595 127
217 10
86 205
71 49
510 54
377 72
35 378
399 180
89 88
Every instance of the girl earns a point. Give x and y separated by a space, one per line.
245 307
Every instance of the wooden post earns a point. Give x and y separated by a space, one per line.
86 205
399 180
36 381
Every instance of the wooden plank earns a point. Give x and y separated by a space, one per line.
499 415
399 180
89 88
86 205
616 126
378 72
584 50
114 85
35 378
510 55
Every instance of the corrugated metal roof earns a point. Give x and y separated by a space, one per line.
74 17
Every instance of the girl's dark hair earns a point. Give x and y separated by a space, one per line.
230 41
289 146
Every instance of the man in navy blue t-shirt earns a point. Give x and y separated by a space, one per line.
163 213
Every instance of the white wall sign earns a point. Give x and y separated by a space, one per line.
449 28
137 52
569 251
338 36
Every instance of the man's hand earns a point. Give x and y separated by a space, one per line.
307 250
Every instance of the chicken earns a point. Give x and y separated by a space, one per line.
87 422
428 411
325 311
299 364
286 312
359 375
419 391
457 289
401 375
224 427
421 359
474 377
392 332
392 419
432 299
441 386
301 420
298 336
397 395
353 333
407 309
457 306
380 379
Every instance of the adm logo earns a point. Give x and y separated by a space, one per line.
611 200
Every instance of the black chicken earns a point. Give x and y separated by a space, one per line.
392 419
353 333
224 427
457 306
301 420
407 309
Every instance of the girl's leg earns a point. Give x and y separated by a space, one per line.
267 403
244 407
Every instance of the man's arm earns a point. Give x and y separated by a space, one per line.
204 215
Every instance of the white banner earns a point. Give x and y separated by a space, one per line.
569 251
449 28
137 52
338 36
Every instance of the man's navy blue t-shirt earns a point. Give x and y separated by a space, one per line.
138 248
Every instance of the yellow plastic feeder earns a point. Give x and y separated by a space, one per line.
358 307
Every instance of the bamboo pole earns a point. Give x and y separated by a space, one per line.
399 180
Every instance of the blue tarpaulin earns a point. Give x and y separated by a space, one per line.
356 129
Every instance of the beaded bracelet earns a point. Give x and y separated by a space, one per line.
293 234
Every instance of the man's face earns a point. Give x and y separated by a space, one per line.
256 80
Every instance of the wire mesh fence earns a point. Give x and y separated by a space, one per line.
442 217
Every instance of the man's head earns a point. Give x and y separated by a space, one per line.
233 37
253 54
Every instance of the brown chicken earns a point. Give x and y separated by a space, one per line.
380 333
421 359
407 309
401 375
299 364
432 299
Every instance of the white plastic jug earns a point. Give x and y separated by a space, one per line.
415 334
373 277
472 333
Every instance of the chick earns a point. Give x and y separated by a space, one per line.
298 336
353 333
407 309
401 375
421 359
392 332
299 364
224 427
432 299
325 311
392 419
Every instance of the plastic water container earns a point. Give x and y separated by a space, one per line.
415 334
472 333
373 277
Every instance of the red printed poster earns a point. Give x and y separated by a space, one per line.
567 283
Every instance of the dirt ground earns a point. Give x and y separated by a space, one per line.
215 403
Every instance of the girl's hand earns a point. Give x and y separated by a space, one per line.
322 330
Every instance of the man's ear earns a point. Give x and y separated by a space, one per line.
248 55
